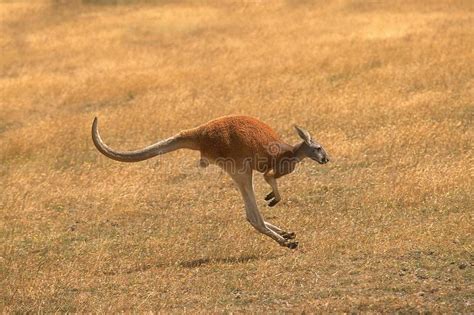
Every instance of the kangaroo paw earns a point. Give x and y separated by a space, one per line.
270 196
273 202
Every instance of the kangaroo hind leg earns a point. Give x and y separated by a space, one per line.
245 184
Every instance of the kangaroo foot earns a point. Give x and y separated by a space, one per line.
290 244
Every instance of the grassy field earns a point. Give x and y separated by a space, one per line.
386 86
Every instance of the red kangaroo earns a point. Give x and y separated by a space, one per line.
239 145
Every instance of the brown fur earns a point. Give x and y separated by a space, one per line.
242 139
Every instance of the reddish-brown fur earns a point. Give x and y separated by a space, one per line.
240 139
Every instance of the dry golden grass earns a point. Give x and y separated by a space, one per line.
386 86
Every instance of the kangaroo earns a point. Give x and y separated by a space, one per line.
239 145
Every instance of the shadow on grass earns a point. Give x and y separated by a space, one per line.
226 260
195 263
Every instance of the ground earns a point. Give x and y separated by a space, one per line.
386 86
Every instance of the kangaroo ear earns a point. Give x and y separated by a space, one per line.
303 134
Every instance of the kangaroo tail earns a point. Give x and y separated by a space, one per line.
161 147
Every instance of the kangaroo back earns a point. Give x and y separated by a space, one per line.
239 138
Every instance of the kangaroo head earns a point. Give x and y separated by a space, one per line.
311 148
